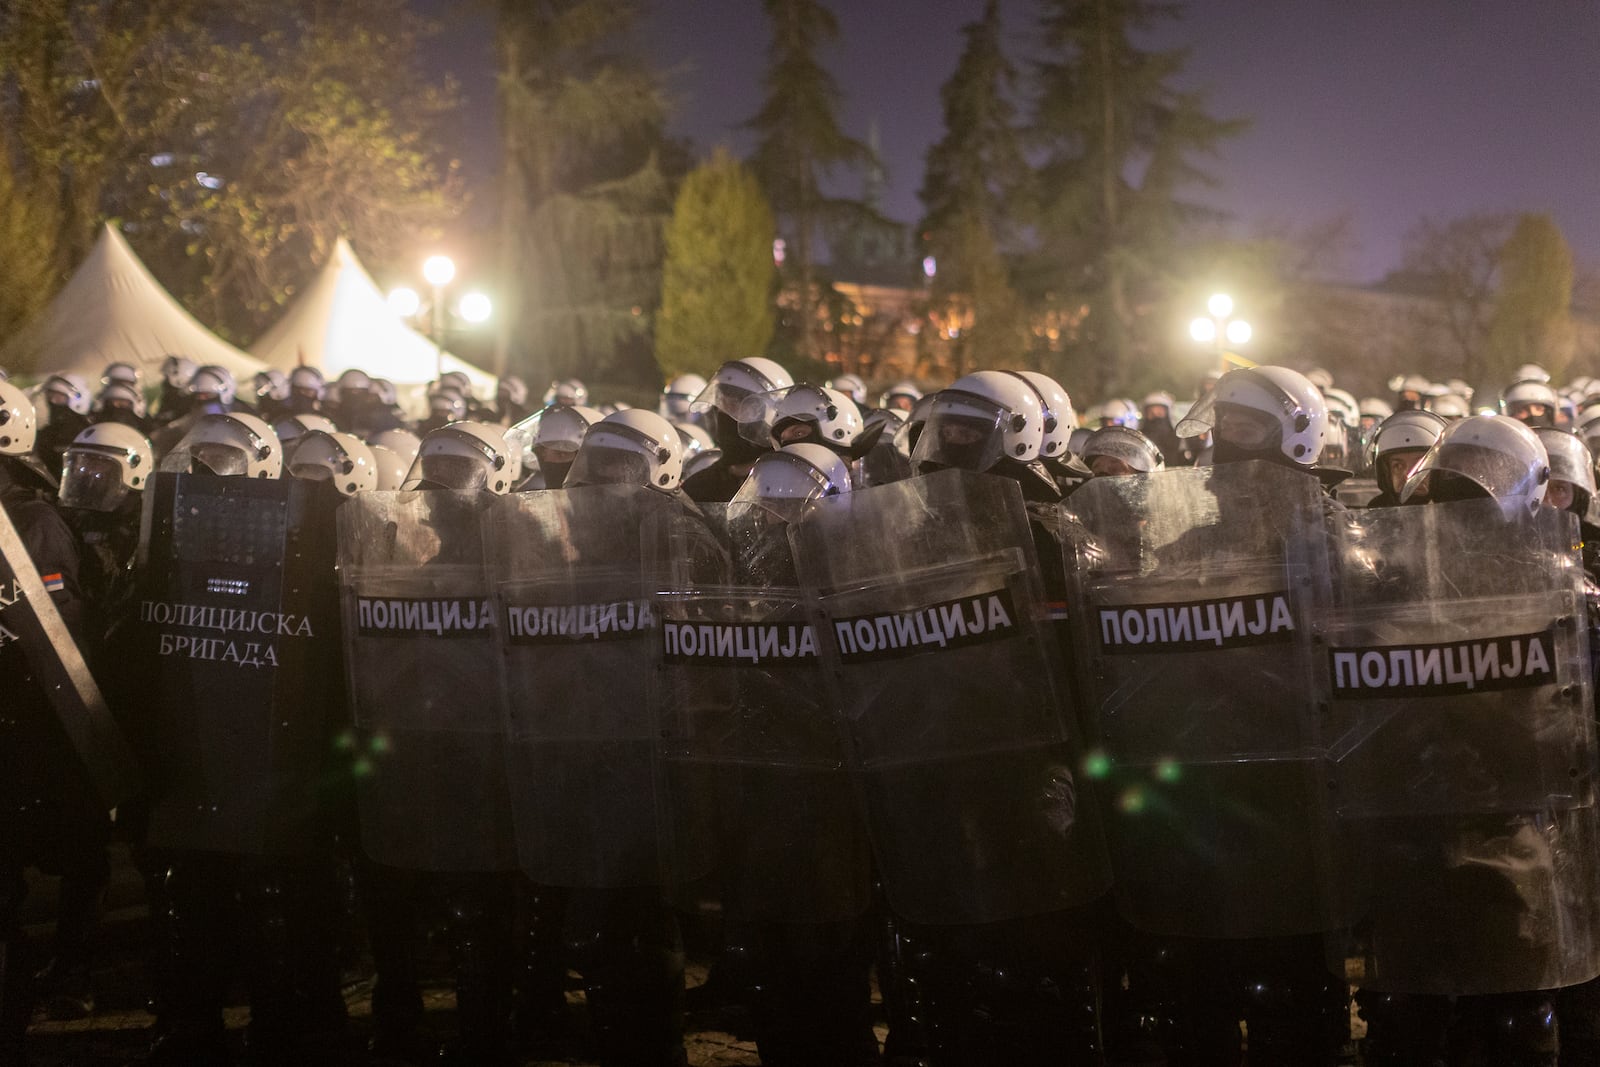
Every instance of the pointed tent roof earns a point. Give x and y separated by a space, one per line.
112 309
343 321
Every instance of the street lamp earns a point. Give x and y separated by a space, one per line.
1219 328
439 271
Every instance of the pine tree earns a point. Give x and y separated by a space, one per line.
800 143
1120 143
973 175
584 193
716 285
1531 322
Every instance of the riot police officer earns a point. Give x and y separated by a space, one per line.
727 405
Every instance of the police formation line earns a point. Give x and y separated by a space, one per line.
1136 742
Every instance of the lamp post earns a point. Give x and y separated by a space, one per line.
439 271
1218 328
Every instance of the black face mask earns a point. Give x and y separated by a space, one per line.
1228 452
736 448
555 474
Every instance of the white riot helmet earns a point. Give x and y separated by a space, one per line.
1371 411
294 427
338 457
851 386
1118 411
447 404
1531 372
307 382
1531 401
561 429
270 384
402 443
1451 407
736 381
1341 406
567 393
630 447
385 392
352 380
1402 433
18 421
1320 377
233 444
215 385
789 415
177 370
457 380
126 373
1262 413
1122 451
1570 462
1587 426
103 465
69 391
679 394
465 457
901 396
785 481
117 395
512 391
981 419
390 468
1059 418
695 440
1486 455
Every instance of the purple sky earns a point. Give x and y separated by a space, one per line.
1384 110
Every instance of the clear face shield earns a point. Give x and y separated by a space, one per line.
208 457
445 470
608 464
92 481
964 430
1496 473
779 487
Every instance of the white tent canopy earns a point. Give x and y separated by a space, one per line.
113 310
344 321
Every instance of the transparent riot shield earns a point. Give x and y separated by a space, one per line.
1357 492
238 620
753 765
425 682
38 653
576 649
1198 590
932 630
1460 723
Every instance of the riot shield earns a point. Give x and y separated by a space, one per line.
1464 747
238 618
1357 492
424 682
1198 589
932 632
576 649
750 754
32 631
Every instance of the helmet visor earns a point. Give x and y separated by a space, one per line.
783 484
964 431
599 464
1502 475
217 458
442 470
92 481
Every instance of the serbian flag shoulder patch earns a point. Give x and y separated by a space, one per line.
1058 611
52 583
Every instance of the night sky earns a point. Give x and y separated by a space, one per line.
1384 110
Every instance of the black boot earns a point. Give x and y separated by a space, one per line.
479 918
902 970
192 945
631 956
540 1009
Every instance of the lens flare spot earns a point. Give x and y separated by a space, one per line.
1097 764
